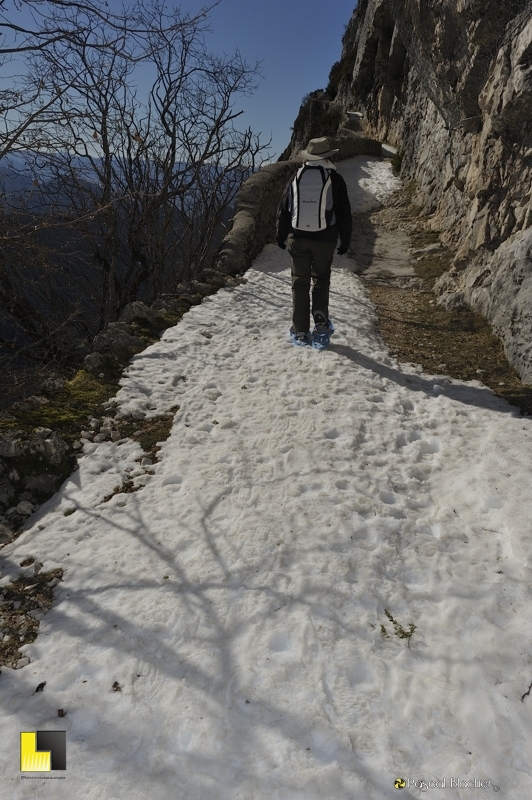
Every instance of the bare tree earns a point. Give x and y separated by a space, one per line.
53 21
90 24
161 173
45 306
134 189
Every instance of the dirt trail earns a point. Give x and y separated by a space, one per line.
379 252
398 257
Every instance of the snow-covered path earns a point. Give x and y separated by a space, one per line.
241 597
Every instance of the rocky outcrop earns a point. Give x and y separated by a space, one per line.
320 116
32 467
449 83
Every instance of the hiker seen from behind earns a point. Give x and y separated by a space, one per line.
314 212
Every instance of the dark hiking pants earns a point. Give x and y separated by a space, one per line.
311 260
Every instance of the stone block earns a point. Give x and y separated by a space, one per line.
117 340
142 314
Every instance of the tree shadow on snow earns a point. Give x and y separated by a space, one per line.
204 658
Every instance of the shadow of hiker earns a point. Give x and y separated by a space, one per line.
363 240
482 397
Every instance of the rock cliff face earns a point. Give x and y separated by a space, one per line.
449 83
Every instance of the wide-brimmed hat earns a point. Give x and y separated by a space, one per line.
318 149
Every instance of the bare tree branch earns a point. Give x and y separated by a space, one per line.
125 195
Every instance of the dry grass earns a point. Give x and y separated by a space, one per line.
458 343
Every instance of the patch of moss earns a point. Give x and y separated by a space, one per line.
84 393
68 409
149 332
173 317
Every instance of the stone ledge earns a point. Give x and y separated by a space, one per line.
254 220
352 144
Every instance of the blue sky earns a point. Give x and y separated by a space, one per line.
298 42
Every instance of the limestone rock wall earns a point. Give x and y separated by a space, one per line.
499 285
449 83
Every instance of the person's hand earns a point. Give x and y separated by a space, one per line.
342 250
282 245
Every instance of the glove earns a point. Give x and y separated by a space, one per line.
282 245
342 250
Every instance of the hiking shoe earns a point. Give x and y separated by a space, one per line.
322 324
323 330
300 337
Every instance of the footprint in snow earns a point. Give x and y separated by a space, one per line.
491 503
388 497
310 487
332 433
212 393
173 480
406 437
280 642
432 446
